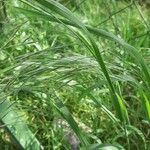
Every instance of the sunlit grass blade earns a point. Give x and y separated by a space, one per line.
146 103
123 108
16 128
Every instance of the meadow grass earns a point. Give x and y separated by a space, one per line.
79 69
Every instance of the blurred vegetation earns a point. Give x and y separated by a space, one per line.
70 83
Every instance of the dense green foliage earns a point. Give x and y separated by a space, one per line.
75 74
